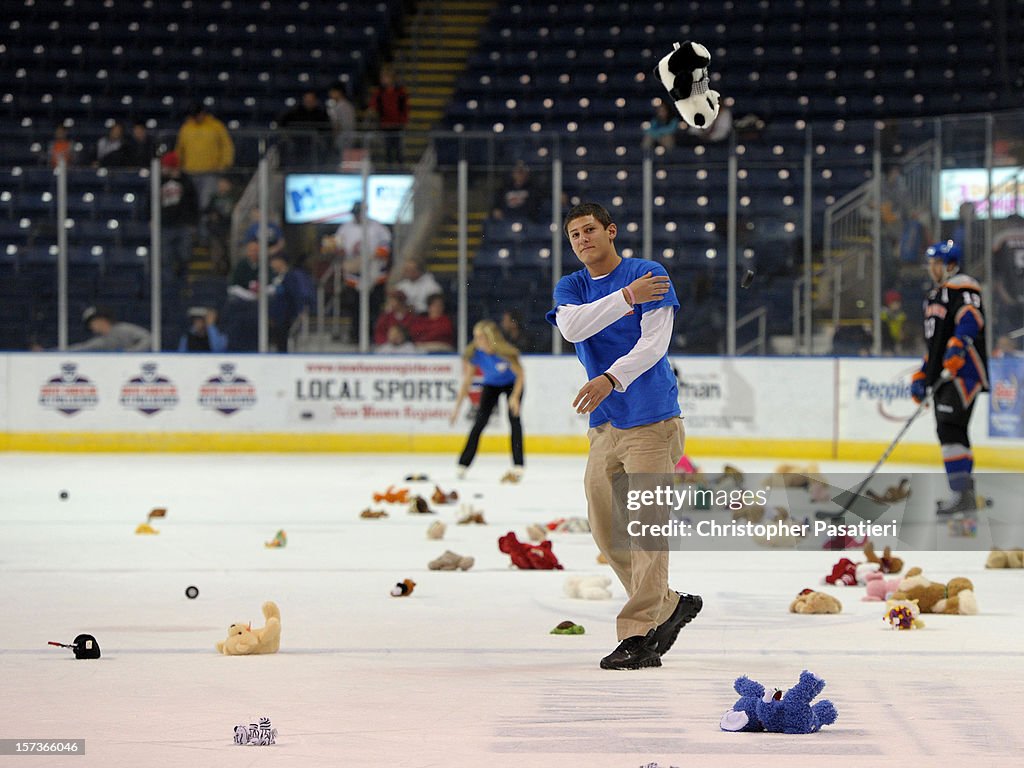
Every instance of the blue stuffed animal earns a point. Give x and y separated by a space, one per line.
743 715
793 712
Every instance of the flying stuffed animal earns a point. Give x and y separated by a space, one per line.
684 73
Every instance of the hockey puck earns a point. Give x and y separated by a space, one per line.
192 592
748 279
63 495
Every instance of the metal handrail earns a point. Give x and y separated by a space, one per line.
761 340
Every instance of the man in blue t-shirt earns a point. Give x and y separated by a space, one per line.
619 313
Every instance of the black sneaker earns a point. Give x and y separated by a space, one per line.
667 632
634 652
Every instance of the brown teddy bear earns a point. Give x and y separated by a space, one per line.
1005 558
810 601
887 563
954 597
243 640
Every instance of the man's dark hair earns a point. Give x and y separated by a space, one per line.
587 209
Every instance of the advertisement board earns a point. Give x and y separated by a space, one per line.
327 198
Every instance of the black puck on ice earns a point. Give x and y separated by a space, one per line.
748 279
192 592
63 495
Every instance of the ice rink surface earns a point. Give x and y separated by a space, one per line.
464 672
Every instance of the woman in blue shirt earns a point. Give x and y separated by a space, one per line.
502 374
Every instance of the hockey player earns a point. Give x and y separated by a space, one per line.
955 365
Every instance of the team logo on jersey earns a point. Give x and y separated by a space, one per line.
227 392
69 392
149 392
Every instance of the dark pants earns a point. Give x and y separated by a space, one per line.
488 399
952 419
393 154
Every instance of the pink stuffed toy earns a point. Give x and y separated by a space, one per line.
879 588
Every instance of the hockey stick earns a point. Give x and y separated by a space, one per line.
925 402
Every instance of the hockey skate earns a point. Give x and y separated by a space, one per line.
964 501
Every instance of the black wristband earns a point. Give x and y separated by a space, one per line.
609 377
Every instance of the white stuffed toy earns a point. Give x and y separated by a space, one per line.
588 587
684 73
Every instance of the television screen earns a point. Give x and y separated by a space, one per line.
327 198
960 185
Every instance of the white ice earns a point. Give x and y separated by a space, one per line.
464 672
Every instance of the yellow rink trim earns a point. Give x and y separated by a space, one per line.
986 457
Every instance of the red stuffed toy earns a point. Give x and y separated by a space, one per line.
843 573
535 557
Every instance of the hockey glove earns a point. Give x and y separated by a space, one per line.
917 387
955 356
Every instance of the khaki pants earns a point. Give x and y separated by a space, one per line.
648 449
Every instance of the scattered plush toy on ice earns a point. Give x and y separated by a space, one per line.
258 734
902 614
954 597
440 497
880 588
538 557
243 640
887 563
773 711
684 73
847 573
588 587
810 601
403 588
1005 558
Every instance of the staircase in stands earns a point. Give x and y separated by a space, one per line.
429 60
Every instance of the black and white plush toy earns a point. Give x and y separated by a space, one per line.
684 73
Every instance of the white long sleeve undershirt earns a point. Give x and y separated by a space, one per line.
578 322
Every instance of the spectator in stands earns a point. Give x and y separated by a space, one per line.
246 274
304 131
206 151
969 234
343 118
417 284
515 333
203 334
519 199
141 150
62 146
292 297
434 332
396 312
390 102
179 213
662 128
852 340
110 335
1006 347
894 321
275 235
111 144
218 223
1008 273
347 245
397 342
720 129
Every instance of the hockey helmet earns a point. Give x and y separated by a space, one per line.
947 251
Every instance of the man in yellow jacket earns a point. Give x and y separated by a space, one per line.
205 151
